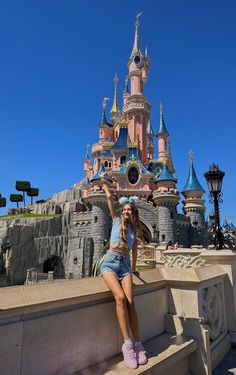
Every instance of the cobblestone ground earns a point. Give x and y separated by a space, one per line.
228 365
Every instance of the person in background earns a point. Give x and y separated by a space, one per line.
169 245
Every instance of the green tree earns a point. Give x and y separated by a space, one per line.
33 192
16 198
23 186
3 201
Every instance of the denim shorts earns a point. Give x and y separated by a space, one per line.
118 264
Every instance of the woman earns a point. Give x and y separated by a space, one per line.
117 273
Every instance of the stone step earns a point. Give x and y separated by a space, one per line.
167 354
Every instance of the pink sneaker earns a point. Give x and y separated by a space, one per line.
129 356
140 354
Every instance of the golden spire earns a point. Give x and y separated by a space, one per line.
115 108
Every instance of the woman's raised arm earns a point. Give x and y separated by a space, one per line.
110 200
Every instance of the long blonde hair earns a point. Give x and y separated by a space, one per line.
135 225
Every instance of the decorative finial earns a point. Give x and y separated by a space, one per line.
161 109
87 150
104 102
137 17
116 80
127 84
190 155
136 46
115 109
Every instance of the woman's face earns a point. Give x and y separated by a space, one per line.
127 211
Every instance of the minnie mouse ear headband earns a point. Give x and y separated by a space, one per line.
125 200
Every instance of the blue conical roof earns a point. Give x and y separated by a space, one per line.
162 128
225 224
231 226
104 119
149 128
97 176
166 175
122 140
192 183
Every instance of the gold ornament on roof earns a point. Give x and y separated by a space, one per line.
133 144
115 108
123 123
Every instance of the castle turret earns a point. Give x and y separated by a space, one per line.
136 106
170 160
87 165
162 136
166 197
100 213
194 207
105 136
126 92
150 145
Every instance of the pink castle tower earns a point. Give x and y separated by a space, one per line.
136 107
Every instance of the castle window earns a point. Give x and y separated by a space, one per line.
163 237
122 159
133 175
95 219
106 164
171 215
109 164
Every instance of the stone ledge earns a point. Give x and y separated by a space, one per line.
26 299
227 255
164 351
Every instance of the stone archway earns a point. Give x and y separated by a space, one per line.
145 231
54 263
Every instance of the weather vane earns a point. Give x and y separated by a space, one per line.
116 79
104 102
137 17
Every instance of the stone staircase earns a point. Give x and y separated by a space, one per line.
167 354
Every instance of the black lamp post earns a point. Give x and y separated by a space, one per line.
214 179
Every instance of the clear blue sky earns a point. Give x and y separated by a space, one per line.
57 62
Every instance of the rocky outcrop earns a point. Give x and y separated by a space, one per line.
33 241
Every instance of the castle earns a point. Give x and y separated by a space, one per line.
72 243
125 150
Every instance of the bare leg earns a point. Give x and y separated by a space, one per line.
127 287
116 289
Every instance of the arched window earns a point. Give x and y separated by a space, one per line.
122 159
110 164
163 237
106 164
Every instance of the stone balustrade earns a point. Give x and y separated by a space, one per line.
64 327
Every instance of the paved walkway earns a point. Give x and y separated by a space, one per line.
228 365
